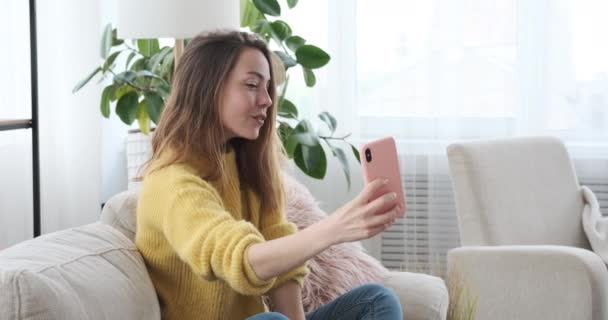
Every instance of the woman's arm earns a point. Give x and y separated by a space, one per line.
204 235
358 219
287 299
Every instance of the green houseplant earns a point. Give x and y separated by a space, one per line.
140 86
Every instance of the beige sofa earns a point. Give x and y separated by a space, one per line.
95 272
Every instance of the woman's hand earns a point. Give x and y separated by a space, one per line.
358 219
361 219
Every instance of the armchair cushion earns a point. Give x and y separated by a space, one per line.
532 282
516 191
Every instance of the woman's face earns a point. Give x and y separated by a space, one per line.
245 99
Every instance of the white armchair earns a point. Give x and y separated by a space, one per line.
525 254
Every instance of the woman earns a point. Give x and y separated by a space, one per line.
211 225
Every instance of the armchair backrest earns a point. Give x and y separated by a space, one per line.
516 191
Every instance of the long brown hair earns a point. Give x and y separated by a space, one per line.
190 125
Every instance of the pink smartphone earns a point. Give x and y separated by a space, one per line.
379 160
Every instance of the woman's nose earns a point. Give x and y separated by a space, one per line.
264 99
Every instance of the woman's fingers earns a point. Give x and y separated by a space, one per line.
381 204
381 220
372 226
369 190
374 231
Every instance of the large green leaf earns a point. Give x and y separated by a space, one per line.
294 42
167 68
262 28
288 110
84 81
127 107
281 29
311 160
143 45
287 60
249 14
115 40
305 134
163 90
287 138
355 153
283 129
148 47
290 145
129 58
312 57
106 41
154 106
307 138
106 97
148 74
304 126
269 7
292 3
120 91
142 117
329 120
155 47
110 61
125 77
139 64
309 77
339 153
155 61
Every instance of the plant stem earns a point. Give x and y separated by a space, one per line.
146 89
335 138
131 48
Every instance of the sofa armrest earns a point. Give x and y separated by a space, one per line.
88 272
120 212
422 297
532 282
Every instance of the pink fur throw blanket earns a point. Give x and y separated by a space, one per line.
339 268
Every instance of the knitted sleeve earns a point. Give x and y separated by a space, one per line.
275 225
208 238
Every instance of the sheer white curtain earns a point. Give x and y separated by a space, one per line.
70 125
68 49
433 72
15 150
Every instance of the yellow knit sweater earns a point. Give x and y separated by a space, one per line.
193 235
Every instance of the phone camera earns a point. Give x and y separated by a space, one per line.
368 155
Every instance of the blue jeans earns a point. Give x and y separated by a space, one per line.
367 302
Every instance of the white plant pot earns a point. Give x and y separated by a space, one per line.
139 150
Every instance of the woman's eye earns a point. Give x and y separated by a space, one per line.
252 85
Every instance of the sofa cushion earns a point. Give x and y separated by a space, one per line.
89 272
